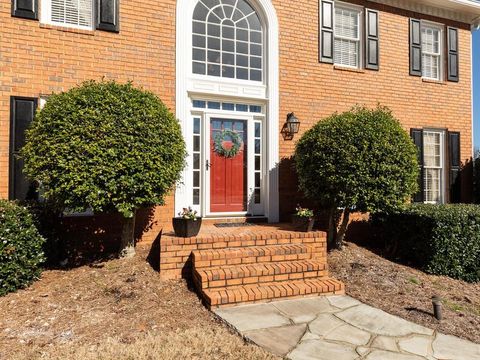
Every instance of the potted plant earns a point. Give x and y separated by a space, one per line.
187 224
303 219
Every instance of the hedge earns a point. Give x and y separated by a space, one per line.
21 245
440 239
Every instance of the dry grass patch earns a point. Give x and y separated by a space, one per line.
196 343
119 309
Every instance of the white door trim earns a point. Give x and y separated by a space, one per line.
268 91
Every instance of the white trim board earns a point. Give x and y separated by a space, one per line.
268 92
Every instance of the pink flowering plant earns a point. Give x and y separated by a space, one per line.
188 214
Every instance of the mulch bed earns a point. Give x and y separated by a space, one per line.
121 299
407 292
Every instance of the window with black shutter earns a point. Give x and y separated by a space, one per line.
27 9
22 112
455 167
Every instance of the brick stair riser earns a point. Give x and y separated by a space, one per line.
259 279
237 256
176 253
269 291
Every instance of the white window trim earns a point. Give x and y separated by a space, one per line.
441 167
267 92
46 17
441 55
360 9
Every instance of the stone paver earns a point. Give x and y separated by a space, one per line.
279 341
252 317
322 350
379 322
417 345
341 328
451 347
304 310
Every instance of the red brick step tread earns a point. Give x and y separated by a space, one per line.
259 272
234 295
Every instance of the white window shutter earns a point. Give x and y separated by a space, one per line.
72 12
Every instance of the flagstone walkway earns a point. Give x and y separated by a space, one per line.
341 328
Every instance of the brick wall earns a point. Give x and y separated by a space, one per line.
315 90
36 59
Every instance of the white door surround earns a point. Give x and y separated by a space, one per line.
190 86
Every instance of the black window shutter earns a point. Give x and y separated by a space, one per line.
27 9
455 167
108 15
417 136
22 112
415 48
372 47
326 31
452 55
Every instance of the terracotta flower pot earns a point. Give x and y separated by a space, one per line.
186 227
302 223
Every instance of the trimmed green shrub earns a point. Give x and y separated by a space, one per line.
360 160
105 146
439 239
20 248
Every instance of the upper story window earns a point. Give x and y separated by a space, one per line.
431 51
347 36
227 40
69 13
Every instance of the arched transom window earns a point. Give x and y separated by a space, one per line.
227 40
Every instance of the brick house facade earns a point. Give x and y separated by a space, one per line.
150 43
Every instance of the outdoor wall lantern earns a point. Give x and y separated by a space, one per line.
291 127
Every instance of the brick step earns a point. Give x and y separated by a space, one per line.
253 255
234 295
258 273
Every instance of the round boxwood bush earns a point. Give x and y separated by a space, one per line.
360 160
20 248
105 146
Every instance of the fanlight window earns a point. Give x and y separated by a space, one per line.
227 40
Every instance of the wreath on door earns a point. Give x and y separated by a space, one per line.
228 143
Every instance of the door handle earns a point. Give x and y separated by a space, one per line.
208 165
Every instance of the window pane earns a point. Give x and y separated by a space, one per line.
196 179
196 161
234 28
199 27
228 106
199 54
199 104
228 72
196 143
198 68
257 146
196 197
257 163
228 59
196 124
257 197
256 75
257 130
213 30
257 180
242 74
214 70
198 41
214 105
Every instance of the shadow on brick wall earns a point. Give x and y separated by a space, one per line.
79 240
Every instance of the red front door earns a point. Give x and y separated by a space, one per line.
228 171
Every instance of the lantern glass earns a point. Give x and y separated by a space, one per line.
293 124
